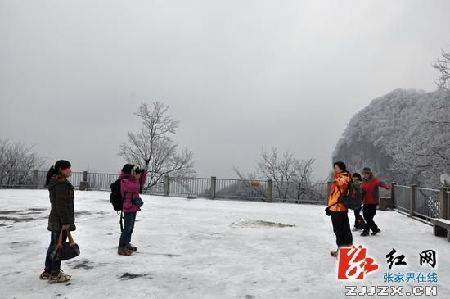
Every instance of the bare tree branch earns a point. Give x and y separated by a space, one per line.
287 173
153 147
442 65
16 162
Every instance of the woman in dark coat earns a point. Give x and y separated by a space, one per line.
357 193
61 217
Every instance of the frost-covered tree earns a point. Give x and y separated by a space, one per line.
404 136
16 162
427 149
286 172
291 177
442 65
153 147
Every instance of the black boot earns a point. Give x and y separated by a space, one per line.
376 232
131 247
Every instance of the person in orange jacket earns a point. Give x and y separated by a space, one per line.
338 211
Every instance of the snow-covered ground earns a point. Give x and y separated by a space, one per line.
199 249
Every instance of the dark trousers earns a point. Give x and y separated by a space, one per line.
128 226
51 265
357 213
341 228
369 211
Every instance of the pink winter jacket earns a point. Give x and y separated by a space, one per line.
130 188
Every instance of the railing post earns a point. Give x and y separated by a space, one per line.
444 212
269 190
393 200
166 185
213 187
412 203
84 184
36 179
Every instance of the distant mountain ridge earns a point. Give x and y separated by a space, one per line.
403 136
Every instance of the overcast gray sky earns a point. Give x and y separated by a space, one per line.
240 76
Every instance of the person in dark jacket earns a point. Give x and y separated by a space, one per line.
132 179
338 211
61 217
357 193
371 198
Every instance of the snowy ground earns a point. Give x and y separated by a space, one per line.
198 249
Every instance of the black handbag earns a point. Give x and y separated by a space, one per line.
64 250
328 210
138 202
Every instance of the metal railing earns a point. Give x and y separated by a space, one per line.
402 196
15 179
241 189
189 187
427 203
294 192
37 178
424 203
100 181
238 189
157 189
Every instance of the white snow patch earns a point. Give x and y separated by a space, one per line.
191 249
249 223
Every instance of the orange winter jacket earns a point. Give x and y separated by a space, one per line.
338 188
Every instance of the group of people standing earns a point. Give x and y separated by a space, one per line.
61 220
132 179
364 188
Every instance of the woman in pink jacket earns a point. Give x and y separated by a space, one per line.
132 179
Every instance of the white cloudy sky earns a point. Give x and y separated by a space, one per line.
241 76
